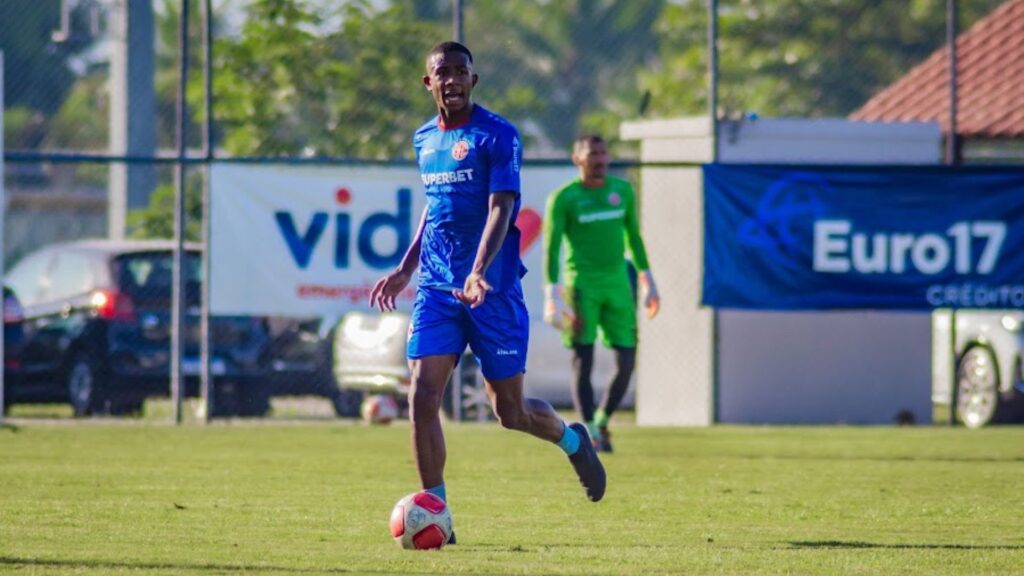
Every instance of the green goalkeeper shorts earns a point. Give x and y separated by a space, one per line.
608 308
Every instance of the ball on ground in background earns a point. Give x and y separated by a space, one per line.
421 521
379 409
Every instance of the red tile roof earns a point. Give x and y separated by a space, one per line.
990 82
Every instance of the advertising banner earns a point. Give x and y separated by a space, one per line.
297 240
898 238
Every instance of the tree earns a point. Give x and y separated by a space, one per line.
339 82
36 70
157 219
559 67
795 57
342 82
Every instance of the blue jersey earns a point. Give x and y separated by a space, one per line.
461 166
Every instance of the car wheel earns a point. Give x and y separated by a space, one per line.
254 399
346 402
82 385
977 387
225 398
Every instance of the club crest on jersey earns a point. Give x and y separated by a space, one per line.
460 150
614 199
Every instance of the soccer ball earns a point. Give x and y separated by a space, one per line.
379 409
421 521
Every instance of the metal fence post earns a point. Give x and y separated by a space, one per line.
713 112
206 392
3 214
178 305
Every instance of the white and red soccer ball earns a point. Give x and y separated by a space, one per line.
421 521
379 409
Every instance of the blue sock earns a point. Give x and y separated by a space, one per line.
570 441
439 491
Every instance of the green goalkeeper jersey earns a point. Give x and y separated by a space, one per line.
597 224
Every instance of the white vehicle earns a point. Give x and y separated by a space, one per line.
369 356
988 382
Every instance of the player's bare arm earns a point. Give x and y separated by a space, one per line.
500 208
387 289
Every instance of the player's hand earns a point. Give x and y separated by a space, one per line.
649 294
473 291
387 289
556 313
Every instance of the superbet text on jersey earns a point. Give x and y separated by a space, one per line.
460 167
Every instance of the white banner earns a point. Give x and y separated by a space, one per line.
289 240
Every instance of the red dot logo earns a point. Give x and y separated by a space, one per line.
614 199
343 196
529 224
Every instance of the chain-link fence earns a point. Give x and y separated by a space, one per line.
90 142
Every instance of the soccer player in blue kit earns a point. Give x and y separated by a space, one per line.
467 249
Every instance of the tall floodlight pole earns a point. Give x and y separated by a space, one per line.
178 308
132 108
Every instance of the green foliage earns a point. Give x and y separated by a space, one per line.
36 72
254 498
570 63
341 78
341 81
82 121
157 220
808 58
23 127
168 72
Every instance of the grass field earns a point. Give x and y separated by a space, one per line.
314 498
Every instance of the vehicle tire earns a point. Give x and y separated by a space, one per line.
976 391
346 402
83 385
226 395
254 399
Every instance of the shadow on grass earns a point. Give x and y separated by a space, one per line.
838 544
103 565
859 458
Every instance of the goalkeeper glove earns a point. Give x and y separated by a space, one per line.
649 294
556 313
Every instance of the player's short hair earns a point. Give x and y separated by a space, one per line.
586 141
449 46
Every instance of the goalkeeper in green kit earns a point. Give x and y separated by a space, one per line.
596 216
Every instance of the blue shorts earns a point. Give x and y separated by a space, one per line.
497 331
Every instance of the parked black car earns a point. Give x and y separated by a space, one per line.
97 317
302 359
14 336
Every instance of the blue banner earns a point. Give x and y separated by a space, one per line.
896 238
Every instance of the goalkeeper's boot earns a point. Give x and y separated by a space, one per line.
587 465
